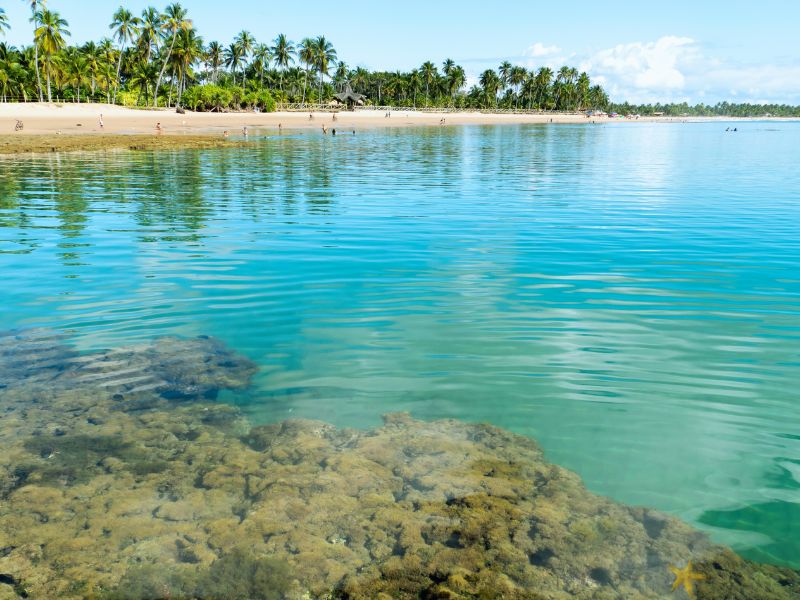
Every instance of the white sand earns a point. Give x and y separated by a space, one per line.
84 118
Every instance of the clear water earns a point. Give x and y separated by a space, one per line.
628 295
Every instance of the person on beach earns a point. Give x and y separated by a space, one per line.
101 121
334 117
324 129
225 133
159 129
280 127
310 116
244 131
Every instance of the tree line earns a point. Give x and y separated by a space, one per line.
721 109
158 58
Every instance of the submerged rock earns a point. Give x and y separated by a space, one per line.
99 499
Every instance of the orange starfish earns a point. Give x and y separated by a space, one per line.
686 577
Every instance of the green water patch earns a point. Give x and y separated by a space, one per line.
778 520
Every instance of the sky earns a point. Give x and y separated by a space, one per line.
694 51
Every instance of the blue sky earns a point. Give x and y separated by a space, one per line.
696 51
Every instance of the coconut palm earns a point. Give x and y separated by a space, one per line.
516 77
3 21
415 84
455 80
76 70
233 58
324 57
125 27
283 54
306 54
35 6
188 51
214 59
544 79
505 74
175 20
150 29
342 75
49 38
245 41
262 54
490 82
429 73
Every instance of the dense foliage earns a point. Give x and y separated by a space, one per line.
158 59
722 109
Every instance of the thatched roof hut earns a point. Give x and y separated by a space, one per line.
350 98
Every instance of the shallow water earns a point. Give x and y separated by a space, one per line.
626 294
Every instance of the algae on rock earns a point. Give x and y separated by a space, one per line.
119 479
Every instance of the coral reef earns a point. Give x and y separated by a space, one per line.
121 479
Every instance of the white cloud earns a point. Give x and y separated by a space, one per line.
539 50
652 67
675 69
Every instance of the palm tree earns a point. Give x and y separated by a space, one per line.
560 84
324 57
544 79
516 77
76 70
505 73
92 59
214 59
3 21
188 50
175 21
150 28
245 42
283 54
415 84
456 78
341 76
262 54
582 89
490 83
126 28
233 58
35 5
306 55
49 37
429 73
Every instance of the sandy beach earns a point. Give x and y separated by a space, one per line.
85 118
73 127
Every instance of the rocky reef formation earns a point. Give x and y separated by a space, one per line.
120 478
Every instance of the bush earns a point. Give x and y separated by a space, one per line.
214 97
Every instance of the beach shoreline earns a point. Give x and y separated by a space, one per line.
77 127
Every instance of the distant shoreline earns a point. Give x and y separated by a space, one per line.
74 127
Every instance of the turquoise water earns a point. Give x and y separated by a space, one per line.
626 294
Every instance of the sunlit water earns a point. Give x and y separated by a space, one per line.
627 295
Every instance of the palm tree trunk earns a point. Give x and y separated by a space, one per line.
163 69
305 85
49 95
119 69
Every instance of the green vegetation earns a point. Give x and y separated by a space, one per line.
159 59
722 109
236 576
